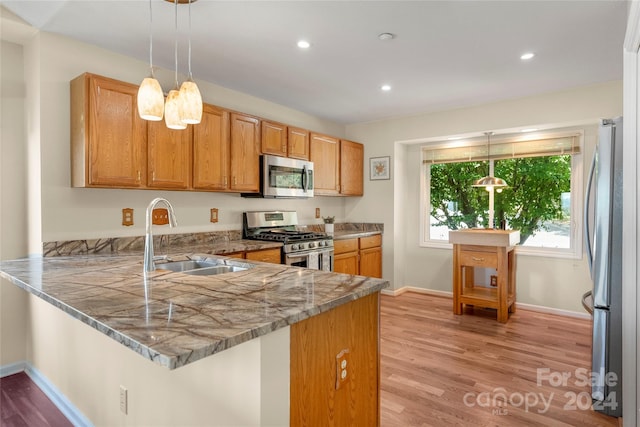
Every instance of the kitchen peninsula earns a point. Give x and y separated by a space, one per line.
252 334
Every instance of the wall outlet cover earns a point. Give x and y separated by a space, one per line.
214 215
343 368
127 217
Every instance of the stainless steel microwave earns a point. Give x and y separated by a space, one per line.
284 177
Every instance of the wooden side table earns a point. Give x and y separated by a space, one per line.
489 249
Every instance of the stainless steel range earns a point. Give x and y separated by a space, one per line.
307 249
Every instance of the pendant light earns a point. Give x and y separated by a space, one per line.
489 181
189 92
173 106
150 96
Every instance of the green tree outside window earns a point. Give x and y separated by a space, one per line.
535 200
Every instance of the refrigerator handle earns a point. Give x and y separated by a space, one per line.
587 200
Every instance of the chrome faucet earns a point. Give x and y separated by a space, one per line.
148 241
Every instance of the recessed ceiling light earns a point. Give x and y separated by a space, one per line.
303 44
385 88
529 130
527 55
386 36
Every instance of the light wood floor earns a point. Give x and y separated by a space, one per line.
439 369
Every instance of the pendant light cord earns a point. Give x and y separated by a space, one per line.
190 75
151 38
176 43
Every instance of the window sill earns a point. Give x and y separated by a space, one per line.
520 250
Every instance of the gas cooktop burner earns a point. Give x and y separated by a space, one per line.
288 235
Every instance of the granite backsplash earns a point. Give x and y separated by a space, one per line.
115 245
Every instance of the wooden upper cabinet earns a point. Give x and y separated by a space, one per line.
169 157
351 168
108 137
274 138
325 155
298 143
211 150
245 153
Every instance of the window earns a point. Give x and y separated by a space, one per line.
543 199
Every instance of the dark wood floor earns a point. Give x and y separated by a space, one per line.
23 404
440 369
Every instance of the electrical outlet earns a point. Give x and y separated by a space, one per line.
127 217
123 400
317 212
343 368
494 280
214 215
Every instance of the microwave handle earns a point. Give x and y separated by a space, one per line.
305 178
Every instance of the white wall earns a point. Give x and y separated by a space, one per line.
549 282
13 202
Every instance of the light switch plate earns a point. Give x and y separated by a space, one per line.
160 216
214 215
317 212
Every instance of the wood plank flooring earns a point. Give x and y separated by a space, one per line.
23 404
442 369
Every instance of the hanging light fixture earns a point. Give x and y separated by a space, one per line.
189 92
150 96
489 181
173 105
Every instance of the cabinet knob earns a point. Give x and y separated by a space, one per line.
138 176
477 259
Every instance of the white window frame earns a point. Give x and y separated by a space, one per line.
577 206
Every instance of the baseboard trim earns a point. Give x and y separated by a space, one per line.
519 305
50 390
12 368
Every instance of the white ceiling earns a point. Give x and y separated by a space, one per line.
446 54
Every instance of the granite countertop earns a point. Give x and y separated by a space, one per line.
351 234
175 319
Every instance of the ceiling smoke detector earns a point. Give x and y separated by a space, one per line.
386 36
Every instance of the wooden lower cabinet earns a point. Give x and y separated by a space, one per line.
319 345
361 256
263 255
346 259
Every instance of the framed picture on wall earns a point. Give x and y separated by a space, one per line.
379 168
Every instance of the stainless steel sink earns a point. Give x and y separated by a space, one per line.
218 269
205 267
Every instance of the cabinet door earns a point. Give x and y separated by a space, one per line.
351 168
169 153
211 150
346 263
245 157
274 138
298 143
371 262
265 255
325 155
108 136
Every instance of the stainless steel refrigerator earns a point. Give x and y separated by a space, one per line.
603 231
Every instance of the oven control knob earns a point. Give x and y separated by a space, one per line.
294 247
322 243
312 245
